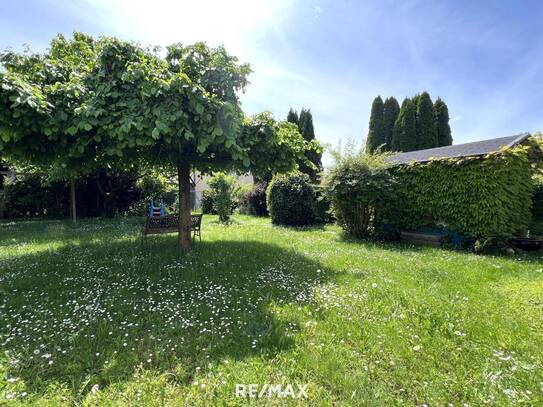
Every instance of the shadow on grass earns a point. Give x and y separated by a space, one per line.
95 313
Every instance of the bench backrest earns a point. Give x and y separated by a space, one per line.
196 221
172 222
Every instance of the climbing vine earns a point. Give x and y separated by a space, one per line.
476 196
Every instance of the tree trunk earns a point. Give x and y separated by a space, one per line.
183 176
72 201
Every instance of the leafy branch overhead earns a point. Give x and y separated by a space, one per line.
87 103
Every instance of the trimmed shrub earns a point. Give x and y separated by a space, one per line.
358 187
254 201
475 196
32 195
240 201
290 199
223 190
207 203
323 206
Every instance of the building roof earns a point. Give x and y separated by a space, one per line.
477 148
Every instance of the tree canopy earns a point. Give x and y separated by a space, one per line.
281 143
39 97
88 101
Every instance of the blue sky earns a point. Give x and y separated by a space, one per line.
484 58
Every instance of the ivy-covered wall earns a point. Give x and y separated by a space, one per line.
475 196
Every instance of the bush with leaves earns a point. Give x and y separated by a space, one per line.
33 195
154 186
207 203
291 199
254 200
240 203
323 206
537 206
474 196
358 187
223 190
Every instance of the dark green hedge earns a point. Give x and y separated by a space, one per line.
537 208
291 200
478 196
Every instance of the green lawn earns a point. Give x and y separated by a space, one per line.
89 316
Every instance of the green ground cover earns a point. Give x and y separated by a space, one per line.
89 316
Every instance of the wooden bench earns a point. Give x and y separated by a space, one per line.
169 224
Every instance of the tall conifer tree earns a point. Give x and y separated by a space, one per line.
405 131
444 136
376 135
426 122
390 115
305 125
292 116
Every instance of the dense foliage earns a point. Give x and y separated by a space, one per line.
275 146
391 110
254 200
444 136
41 122
537 202
222 189
473 196
154 186
291 199
312 166
292 116
426 122
86 102
419 124
405 128
207 202
32 195
312 163
359 186
102 193
376 136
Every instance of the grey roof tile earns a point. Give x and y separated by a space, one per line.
476 148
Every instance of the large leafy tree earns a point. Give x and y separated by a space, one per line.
130 104
444 136
390 115
376 135
426 122
275 146
405 129
40 123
